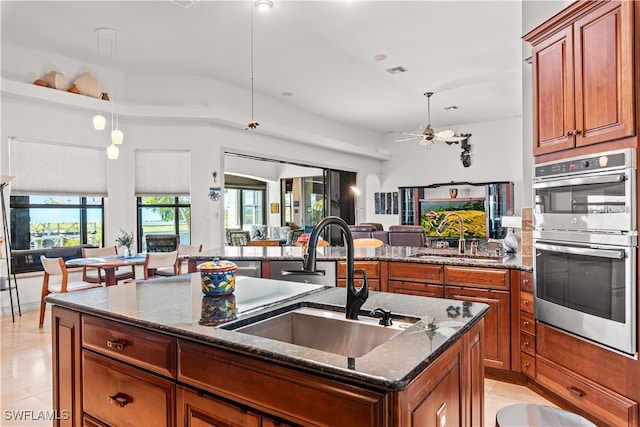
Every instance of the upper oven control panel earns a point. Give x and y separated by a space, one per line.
592 163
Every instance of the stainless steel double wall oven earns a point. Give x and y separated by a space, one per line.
585 242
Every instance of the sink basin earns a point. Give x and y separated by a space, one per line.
326 330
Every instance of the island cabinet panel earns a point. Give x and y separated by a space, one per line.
145 349
372 269
198 409
527 326
118 394
67 367
583 76
412 288
450 392
497 338
295 396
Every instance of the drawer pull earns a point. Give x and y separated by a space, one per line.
525 281
576 392
526 323
527 364
119 400
526 302
116 345
526 343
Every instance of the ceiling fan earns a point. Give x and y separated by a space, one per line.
429 136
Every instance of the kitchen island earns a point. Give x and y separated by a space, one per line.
159 353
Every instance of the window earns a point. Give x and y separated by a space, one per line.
243 207
164 215
39 222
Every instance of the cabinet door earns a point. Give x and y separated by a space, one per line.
67 367
604 74
196 409
553 94
497 328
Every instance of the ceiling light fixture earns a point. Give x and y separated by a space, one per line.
263 5
379 57
451 107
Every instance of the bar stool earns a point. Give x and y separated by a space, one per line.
532 415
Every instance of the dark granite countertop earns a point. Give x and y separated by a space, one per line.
175 306
384 253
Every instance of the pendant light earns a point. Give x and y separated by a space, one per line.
117 135
262 5
112 152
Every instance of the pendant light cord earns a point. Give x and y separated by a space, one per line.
251 32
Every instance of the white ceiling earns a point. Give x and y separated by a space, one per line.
467 52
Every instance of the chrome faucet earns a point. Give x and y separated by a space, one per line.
461 242
355 298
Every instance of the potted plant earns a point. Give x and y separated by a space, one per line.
126 240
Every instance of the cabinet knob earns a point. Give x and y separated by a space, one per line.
576 132
526 323
526 343
525 281
526 302
575 391
527 364
116 345
119 400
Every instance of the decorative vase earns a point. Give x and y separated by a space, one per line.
510 242
127 252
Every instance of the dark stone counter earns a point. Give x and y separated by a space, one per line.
175 306
384 253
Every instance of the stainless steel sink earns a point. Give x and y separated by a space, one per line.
326 330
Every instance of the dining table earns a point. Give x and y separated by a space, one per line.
109 263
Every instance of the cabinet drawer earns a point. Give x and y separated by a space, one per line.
605 404
371 267
146 349
528 343
526 281
374 284
487 278
527 323
118 394
424 273
526 302
420 289
528 365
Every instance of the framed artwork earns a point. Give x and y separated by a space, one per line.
376 203
395 203
275 208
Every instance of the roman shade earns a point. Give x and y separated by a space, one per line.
163 172
51 168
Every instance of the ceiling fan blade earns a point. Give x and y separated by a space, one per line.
451 138
411 133
447 133
405 139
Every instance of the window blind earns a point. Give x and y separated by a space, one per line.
163 172
43 168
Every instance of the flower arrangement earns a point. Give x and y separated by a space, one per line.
125 239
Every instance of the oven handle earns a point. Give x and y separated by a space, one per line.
601 253
603 179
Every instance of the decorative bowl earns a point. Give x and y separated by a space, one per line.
218 278
216 310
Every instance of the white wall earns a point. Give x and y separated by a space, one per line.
496 150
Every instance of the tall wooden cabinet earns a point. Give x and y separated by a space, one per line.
584 76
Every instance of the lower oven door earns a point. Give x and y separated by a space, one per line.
589 290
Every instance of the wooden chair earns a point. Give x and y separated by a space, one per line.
183 250
96 274
56 267
263 243
367 243
157 260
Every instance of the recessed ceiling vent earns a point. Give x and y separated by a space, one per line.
397 70
185 3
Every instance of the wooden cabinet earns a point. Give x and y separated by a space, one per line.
372 269
67 367
416 279
216 387
489 286
583 74
527 326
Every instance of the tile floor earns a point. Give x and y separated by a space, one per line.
26 376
